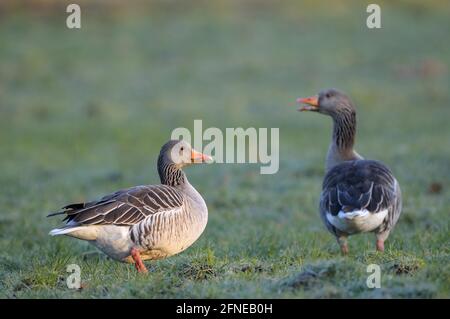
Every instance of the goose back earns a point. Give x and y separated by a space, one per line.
361 185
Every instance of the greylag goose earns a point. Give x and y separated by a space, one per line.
144 222
358 195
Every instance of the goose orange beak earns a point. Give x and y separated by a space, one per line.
312 103
197 157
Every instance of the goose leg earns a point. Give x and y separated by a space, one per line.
381 237
140 267
380 245
342 241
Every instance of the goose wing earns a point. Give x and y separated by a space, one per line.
124 207
358 185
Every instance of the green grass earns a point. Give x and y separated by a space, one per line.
84 113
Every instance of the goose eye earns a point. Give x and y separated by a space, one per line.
182 148
328 95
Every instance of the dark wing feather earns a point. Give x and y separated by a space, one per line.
360 184
124 207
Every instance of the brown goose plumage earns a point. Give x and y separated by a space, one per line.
124 207
144 222
358 195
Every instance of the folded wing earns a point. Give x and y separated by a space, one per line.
124 207
357 185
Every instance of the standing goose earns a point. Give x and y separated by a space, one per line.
358 195
144 222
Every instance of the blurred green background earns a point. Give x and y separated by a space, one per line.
84 113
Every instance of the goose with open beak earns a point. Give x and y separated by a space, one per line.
358 195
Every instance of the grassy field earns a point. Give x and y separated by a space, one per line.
84 113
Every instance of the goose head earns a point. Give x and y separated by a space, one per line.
331 102
180 153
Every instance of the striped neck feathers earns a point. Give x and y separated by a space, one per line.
343 139
170 174
344 129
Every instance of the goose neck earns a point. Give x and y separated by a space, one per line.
170 174
343 139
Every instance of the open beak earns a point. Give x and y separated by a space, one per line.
197 157
312 103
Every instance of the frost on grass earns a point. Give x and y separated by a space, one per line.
316 275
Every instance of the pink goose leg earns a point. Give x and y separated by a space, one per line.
140 267
380 245
342 241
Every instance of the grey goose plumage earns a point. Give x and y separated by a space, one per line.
358 195
144 222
